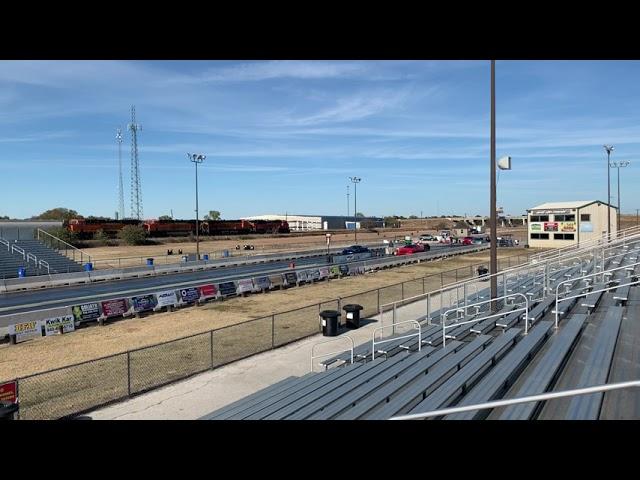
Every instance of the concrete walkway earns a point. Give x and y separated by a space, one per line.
193 398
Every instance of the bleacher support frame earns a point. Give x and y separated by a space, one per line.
373 336
332 353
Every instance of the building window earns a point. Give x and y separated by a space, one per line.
539 236
563 236
585 217
539 218
564 218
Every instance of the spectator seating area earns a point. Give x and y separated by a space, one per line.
35 257
596 341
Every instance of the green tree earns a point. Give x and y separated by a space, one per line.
212 215
4 217
413 217
64 234
58 214
359 214
133 235
165 217
101 237
391 222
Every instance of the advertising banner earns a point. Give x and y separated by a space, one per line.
86 313
263 283
208 291
8 392
52 325
536 227
344 269
550 226
245 285
114 308
166 298
302 276
26 330
189 295
227 288
291 278
314 274
276 280
324 272
143 303
568 226
586 227
335 270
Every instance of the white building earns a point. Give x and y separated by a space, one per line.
560 224
297 223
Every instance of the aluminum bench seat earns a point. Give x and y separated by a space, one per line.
424 396
501 377
411 365
539 379
408 381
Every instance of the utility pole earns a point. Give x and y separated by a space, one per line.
608 149
120 187
493 220
355 181
618 165
197 158
136 188
347 201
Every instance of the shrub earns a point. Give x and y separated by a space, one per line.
64 234
101 238
133 235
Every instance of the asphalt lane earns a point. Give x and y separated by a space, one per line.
17 302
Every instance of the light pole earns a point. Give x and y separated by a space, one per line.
355 181
197 158
347 201
493 220
624 163
608 149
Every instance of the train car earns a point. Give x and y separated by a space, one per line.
87 228
228 227
169 228
270 226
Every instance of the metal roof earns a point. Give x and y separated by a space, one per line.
574 204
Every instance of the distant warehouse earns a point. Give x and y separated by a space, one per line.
305 223
559 224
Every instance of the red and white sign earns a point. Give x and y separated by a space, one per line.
8 392
550 226
207 291
245 285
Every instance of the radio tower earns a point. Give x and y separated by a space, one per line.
136 191
120 188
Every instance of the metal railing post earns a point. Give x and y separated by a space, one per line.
273 330
128 374
211 344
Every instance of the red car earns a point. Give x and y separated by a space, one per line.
467 241
411 249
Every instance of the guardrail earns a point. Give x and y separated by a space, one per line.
52 240
5 243
518 400
313 357
15 248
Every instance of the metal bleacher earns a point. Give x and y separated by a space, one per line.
581 329
35 257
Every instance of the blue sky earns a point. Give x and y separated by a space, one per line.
284 136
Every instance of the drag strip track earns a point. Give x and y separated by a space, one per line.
18 302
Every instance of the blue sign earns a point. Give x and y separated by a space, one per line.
344 269
227 288
189 295
586 227
144 302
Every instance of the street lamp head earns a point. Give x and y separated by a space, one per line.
196 157
355 179
609 148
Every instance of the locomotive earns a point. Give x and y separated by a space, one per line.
86 228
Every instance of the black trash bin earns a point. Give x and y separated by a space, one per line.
8 411
482 272
353 315
330 319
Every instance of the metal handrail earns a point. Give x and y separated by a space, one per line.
518 400
464 310
31 256
332 353
15 248
4 242
373 337
613 287
45 263
66 244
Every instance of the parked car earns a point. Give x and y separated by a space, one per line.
427 238
467 241
413 248
353 249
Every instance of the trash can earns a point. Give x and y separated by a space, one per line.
8 410
482 272
150 262
329 322
225 253
22 272
88 267
353 315
205 257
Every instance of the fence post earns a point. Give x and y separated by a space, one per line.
211 343
273 330
379 301
128 374
441 280
402 291
456 275
424 290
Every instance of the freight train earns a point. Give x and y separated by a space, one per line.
86 228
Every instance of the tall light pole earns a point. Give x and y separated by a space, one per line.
347 201
493 220
355 181
197 158
608 149
618 165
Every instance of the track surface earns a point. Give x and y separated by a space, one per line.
17 302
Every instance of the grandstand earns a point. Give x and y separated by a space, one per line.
566 320
35 257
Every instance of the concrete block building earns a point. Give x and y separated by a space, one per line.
560 224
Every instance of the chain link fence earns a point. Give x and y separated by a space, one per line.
74 389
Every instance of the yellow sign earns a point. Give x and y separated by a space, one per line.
567 226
